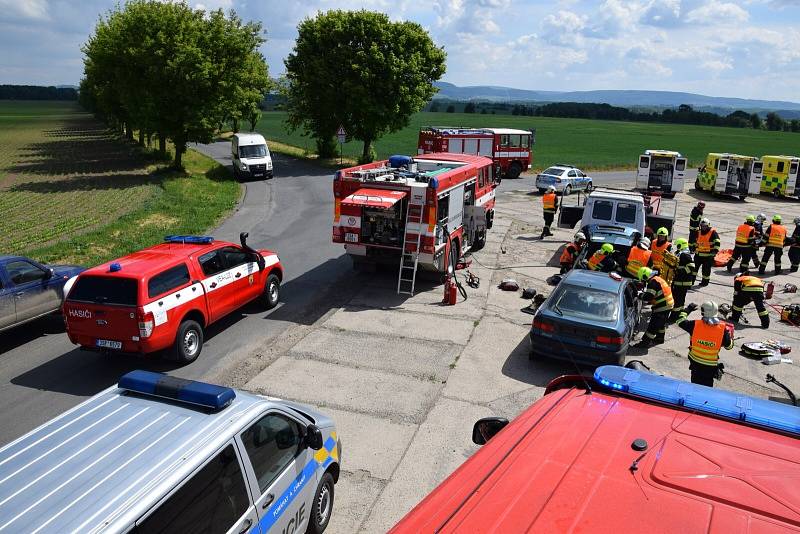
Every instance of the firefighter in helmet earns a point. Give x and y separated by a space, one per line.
571 252
746 289
658 294
775 236
745 246
685 274
660 247
707 246
708 336
639 256
694 223
794 249
602 259
549 210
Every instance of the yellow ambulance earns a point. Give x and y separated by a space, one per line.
780 175
661 170
724 173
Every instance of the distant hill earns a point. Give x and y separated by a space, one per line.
624 98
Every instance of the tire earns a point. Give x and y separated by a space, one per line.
322 507
188 342
776 193
272 291
489 220
514 170
567 191
589 187
697 184
480 241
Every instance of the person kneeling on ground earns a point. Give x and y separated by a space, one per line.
571 252
658 294
708 336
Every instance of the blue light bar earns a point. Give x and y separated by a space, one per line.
719 402
114 267
179 389
189 239
433 183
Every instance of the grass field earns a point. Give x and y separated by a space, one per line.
586 143
71 192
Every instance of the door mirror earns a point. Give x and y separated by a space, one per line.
486 428
313 437
49 273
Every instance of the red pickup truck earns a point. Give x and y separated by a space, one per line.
166 295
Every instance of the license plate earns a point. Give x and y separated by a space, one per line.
106 344
350 237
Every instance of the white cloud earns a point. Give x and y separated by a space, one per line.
715 12
716 66
563 28
24 9
664 13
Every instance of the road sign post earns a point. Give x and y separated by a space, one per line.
341 134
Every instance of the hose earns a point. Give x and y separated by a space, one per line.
453 260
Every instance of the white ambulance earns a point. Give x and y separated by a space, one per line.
661 171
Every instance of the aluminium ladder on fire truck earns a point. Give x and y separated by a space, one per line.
407 277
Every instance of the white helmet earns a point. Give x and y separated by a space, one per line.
644 243
762 217
797 220
580 236
705 221
551 188
709 309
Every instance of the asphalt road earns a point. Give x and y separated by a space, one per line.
42 374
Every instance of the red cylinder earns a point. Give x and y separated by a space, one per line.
452 293
769 289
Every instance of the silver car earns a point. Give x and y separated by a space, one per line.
565 178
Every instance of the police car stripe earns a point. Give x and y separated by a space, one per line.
282 503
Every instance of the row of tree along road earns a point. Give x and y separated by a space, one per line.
165 70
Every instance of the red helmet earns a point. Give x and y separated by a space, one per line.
701 204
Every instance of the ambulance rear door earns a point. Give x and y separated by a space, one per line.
721 181
791 179
756 172
643 172
679 176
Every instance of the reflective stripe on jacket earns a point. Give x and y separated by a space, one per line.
777 235
549 202
570 251
660 294
705 246
595 260
657 253
745 235
637 258
706 342
751 284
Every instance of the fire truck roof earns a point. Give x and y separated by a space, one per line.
460 130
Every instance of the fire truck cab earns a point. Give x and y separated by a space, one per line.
434 208
510 149
661 170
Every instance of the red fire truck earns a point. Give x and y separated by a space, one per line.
511 150
428 210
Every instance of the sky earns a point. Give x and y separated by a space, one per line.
746 49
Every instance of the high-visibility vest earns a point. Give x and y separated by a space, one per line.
657 253
777 234
751 284
704 241
666 301
706 342
570 251
637 259
595 260
549 202
743 234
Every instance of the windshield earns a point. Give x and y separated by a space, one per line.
587 303
554 171
253 151
105 290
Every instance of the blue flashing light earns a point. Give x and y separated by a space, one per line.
433 183
179 389
114 267
189 239
765 413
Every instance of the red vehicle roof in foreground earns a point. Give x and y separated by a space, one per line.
152 259
564 465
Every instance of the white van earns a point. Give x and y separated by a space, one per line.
251 157
160 454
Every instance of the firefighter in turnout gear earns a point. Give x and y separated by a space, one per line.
775 236
747 289
549 210
694 223
685 274
658 294
745 246
571 252
708 337
659 247
707 247
639 256
794 249
602 259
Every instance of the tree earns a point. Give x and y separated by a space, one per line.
796 125
360 70
434 107
774 122
755 121
451 109
164 67
469 108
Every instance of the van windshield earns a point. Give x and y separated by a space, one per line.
104 290
253 151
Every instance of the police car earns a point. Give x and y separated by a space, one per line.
163 297
161 454
565 178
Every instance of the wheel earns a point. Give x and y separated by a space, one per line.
480 241
188 342
776 193
697 184
272 291
514 170
542 191
589 187
322 506
489 220
742 197
567 191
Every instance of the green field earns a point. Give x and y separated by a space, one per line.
587 143
70 191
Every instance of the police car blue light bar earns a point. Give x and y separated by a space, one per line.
179 389
190 239
719 402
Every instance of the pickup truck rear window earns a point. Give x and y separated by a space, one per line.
626 213
602 210
104 290
165 281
